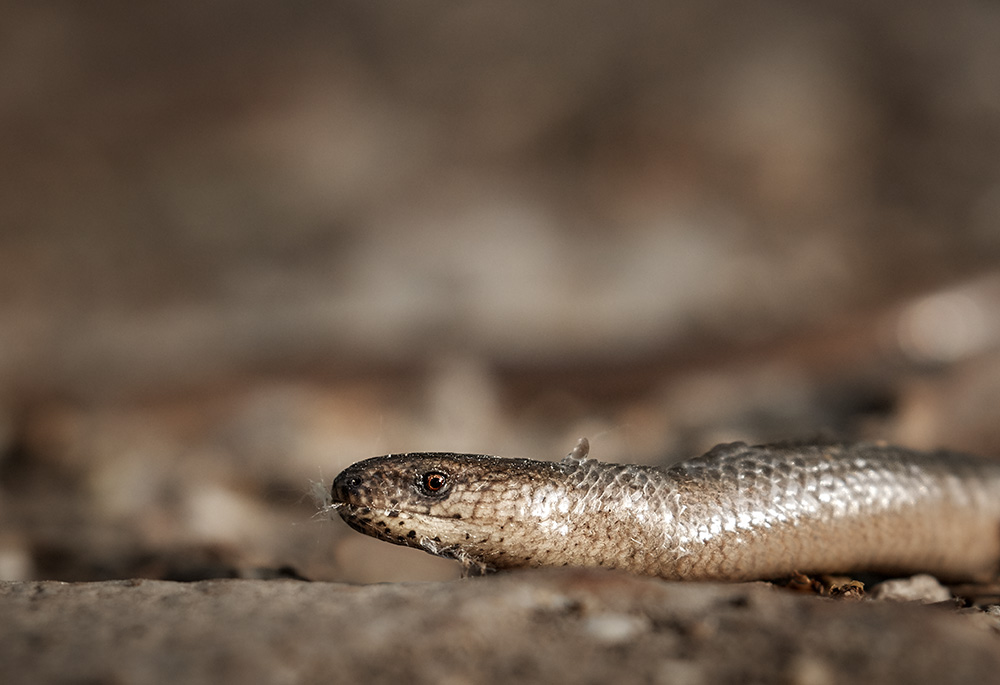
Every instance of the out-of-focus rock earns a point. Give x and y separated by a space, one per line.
919 588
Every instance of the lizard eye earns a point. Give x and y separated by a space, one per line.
433 482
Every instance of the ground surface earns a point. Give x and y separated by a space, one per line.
555 626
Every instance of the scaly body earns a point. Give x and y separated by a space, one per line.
735 513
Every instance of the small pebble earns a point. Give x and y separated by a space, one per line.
921 588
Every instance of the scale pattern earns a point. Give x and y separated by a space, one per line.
738 512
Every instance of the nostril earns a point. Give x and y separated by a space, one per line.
345 487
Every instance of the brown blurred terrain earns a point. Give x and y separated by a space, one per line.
243 245
246 244
550 626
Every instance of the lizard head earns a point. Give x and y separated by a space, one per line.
468 507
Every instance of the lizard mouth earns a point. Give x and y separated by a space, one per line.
390 525
365 515
350 511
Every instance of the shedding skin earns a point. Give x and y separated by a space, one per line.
738 512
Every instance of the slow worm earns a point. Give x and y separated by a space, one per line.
738 512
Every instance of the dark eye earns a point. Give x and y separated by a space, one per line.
433 482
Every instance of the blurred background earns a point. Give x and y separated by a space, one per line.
244 244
